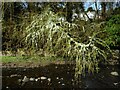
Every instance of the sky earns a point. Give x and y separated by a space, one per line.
86 4
92 4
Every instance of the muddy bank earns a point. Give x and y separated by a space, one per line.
53 76
59 76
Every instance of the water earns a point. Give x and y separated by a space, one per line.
58 76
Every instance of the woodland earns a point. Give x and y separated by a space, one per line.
56 30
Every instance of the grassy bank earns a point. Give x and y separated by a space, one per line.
28 61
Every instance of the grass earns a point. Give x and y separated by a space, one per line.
6 59
33 59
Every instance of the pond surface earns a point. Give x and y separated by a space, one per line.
58 76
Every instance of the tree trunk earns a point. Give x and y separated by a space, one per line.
111 7
96 13
103 4
69 12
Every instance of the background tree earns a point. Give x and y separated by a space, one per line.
103 4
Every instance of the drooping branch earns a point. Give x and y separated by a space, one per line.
55 34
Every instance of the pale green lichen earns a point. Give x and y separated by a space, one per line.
47 30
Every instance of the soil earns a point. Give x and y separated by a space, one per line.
57 76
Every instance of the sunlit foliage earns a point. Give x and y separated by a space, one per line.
113 31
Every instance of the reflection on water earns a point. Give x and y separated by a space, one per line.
58 76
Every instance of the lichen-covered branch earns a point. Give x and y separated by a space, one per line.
48 32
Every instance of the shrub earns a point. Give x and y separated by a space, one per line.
113 31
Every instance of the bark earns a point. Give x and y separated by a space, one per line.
96 13
69 12
103 4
